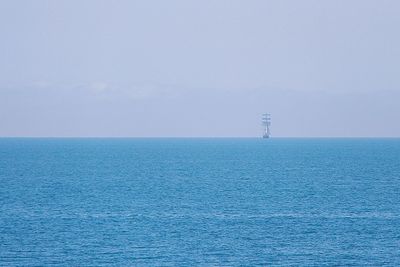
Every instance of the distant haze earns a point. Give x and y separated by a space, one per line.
199 68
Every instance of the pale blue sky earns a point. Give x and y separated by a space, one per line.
199 68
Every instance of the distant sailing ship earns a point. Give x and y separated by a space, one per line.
266 122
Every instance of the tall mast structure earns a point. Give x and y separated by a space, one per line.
266 122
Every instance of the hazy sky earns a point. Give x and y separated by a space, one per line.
199 68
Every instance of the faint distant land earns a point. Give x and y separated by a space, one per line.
266 122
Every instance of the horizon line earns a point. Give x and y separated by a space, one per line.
198 137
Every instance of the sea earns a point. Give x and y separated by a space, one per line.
199 202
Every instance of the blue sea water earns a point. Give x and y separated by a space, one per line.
199 202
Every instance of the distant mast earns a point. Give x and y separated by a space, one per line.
266 122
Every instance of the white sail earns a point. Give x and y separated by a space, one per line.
266 121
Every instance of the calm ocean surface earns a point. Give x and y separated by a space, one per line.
199 202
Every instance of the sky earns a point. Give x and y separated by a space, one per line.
209 68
